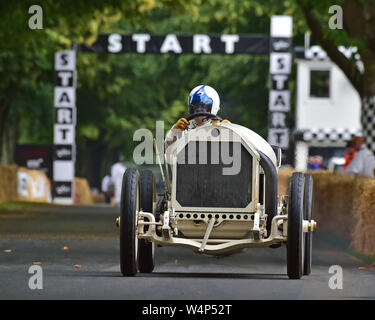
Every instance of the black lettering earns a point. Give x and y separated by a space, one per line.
64 59
64 131
64 98
279 100
280 61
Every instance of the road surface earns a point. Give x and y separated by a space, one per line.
78 250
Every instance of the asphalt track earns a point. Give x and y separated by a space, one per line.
88 268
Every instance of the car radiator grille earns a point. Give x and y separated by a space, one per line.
201 181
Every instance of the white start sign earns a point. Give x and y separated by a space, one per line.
64 127
280 68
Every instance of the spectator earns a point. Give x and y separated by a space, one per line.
313 163
363 163
108 188
117 172
349 154
319 162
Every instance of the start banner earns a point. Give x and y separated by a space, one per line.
179 44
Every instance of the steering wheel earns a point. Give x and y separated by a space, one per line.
204 114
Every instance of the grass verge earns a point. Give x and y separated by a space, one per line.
344 245
17 205
369 260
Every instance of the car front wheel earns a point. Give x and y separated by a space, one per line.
295 240
308 216
128 233
146 250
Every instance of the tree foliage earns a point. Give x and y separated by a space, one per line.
117 94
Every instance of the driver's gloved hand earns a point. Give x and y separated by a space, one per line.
181 124
226 121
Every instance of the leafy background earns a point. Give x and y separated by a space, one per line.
118 94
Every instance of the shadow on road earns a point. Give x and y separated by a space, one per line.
215 275
190 275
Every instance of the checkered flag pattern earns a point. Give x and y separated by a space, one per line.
368 122
329 135
349 52
315 53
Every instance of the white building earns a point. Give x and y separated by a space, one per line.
327 108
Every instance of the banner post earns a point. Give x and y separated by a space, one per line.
280 69
64 127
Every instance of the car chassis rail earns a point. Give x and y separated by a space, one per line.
206 245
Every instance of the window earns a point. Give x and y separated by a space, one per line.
319 83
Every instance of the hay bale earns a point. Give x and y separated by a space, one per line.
342 205
335 200
82 194
283 181
8 183
35 186
363 239
98 198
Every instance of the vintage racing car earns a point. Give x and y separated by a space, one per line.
221 194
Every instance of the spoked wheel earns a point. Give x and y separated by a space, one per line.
295 241
146 250
308 216
128 233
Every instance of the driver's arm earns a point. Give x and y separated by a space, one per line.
181 124
172 135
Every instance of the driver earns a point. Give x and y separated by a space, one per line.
202 98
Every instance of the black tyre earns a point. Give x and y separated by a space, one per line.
295 243
128 237
146 250
309 185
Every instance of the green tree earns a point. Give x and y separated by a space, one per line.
118 94
26 56
132 91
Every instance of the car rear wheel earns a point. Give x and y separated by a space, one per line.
308 216
128 236
146 250
295 240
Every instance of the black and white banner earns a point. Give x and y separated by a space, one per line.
280 68
64 127
178 44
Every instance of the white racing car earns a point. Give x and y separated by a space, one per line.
222 196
